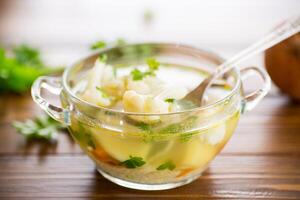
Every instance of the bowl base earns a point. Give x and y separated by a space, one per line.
144 186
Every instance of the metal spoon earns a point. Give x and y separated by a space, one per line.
285 30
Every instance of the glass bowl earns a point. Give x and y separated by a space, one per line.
144 156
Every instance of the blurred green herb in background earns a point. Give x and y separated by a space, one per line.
100 44
43 127
17 72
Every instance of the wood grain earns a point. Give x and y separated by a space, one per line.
262 159
74 176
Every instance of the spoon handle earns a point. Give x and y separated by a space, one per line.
285 30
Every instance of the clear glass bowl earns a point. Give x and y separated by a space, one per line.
145 156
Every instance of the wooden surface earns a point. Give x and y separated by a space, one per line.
262 159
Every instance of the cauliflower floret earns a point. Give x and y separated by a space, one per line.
95 75
111 84
97 97
134 102
103 76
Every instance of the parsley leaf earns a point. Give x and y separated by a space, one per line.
185 137
83 136
120 42
170 100
27 56
43 127
98 45
167 165
152 64
144 127
134 162
17 72
137 75
103 58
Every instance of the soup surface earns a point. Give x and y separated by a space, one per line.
151 148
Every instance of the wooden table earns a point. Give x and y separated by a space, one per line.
261 161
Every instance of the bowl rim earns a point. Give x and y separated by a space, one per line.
215 56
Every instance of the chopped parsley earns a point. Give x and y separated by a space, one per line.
98 45
170 100
103 58
90 141
185 137
133 162
152 64
120 42
144 127
167 165
83 136
138 75
19 69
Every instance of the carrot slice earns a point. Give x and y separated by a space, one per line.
103 156
184 172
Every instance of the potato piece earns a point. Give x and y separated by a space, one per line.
214 135
120 147
134 102
192 154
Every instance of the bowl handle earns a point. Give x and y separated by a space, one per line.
251 100
52 85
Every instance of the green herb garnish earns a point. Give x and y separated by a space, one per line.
138 75
152 64
43 127
144 127
134 162
167 165
83 136
120 42
17 72
90 141
27 55
185 137
170 100
103 58
98 45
